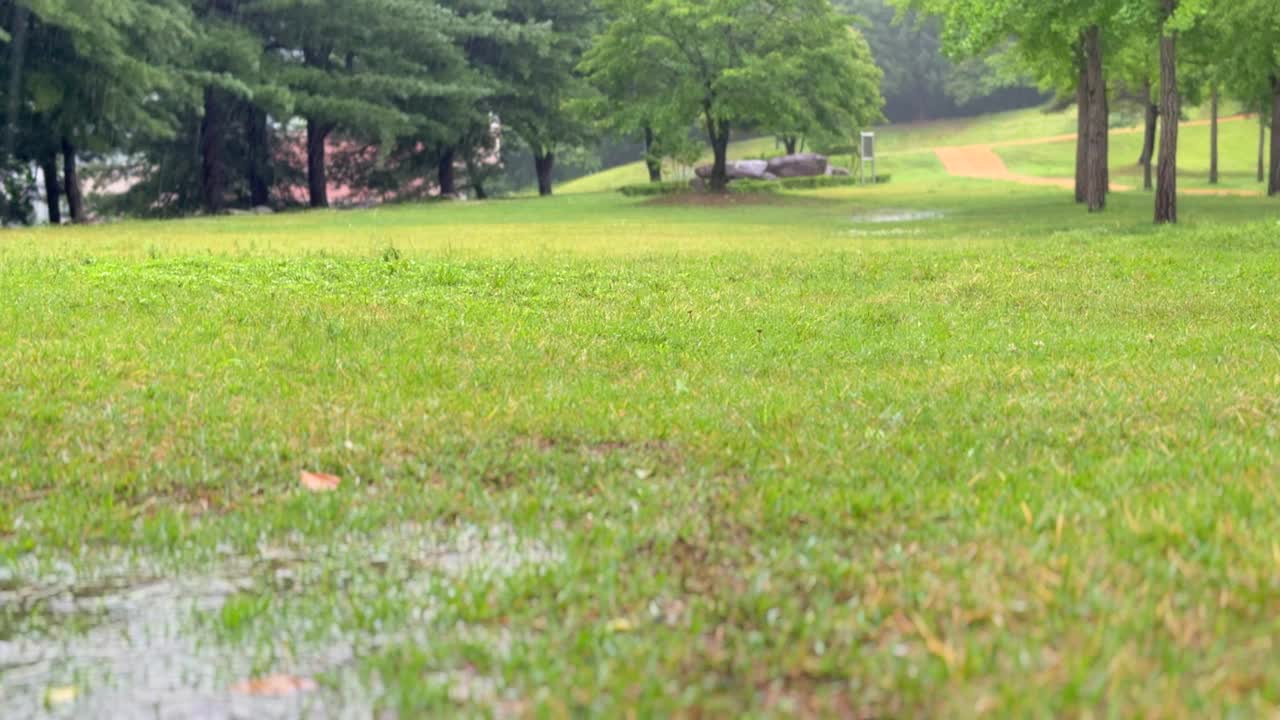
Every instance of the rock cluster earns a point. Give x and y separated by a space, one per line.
786 166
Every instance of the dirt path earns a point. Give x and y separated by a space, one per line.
982 162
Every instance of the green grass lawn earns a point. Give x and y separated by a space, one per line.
792 456
1238 157
906 150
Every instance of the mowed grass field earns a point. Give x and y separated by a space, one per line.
939 448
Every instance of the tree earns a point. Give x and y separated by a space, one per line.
541 95
920 82
629 103
828 91
354 66
86 77
1249 44
728 62
1171 111
1064 46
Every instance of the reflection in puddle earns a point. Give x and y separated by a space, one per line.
136 644
896 216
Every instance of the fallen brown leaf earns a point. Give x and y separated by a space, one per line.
320 482
274 686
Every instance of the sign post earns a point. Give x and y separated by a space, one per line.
868 155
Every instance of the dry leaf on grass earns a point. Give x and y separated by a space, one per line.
320 482
274 686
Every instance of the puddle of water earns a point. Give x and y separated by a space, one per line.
898 216
135 648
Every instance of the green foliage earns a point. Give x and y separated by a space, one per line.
674 187
794 66
667 187
800 183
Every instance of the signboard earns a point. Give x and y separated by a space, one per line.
868 157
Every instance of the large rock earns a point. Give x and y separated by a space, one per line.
802 165
738 170
837 171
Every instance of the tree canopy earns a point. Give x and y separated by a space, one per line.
793 66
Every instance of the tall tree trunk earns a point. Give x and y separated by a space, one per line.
1148 135
213 175
790 141
1273 184
651 161
52 186
19 24
1082 127
71 182
317 166
1213 135
1096 158
544 163
1148 125
719 131
445 176
260 165
1170 111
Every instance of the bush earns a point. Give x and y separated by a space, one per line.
799 183
675 187
668 187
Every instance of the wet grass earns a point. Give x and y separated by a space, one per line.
600 456
1238 149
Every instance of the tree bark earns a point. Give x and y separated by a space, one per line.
1273 184
790 141
719 131
1082 127
544 163
317 167
1148 136
1213 136
213 174
1096 152
71 182
445 176
19 25
1170 111
260 165
1149 124
653 163
52 188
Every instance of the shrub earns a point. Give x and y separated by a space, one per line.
799 183
675 187
668 187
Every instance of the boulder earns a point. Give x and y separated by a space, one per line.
837 171
738 170
802 165
748 169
